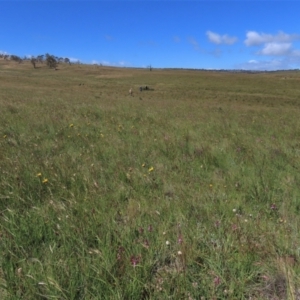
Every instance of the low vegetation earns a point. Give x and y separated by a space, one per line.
188 190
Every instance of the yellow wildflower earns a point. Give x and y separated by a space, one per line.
45 180
38 174
151 169
71 125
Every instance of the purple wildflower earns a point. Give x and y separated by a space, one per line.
135 260
217 281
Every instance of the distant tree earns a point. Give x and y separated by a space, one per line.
40 58
33 61
16 58
150 68
51 61
67 61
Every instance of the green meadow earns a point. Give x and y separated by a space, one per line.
188 190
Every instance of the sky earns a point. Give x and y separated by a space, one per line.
214 34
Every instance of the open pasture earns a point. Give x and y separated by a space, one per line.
187 191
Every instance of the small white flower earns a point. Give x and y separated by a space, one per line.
167 243
234 210
179 253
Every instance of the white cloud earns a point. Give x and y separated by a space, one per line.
213 37
280 44
254 38
252 61
220 39
276 49
74 60
112 64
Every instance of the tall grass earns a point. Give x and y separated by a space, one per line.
186 191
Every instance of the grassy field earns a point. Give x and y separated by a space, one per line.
190 190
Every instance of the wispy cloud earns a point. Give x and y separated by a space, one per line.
254 38
122 63
256 65
108 37
218 39
194 43
74 60
112 64
149 43
176 39
216 52
271 65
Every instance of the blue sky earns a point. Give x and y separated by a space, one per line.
239 34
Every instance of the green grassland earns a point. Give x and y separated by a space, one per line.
190 190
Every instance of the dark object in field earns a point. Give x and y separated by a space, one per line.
145 88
